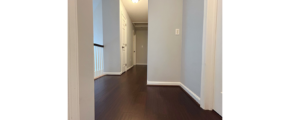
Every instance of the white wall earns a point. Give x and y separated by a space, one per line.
129 35
111 36
141 46
164 47
192 44
86 60
98 21
81 60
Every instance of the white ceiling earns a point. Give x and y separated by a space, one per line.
138 12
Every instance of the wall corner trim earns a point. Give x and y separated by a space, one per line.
192 94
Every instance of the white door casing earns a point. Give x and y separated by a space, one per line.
218 62
208 55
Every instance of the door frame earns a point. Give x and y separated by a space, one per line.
80 60
218 62
208 54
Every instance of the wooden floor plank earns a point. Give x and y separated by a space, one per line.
127 97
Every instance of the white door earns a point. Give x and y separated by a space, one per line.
124 44
218 60
134 50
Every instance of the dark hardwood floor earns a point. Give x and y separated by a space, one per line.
127 97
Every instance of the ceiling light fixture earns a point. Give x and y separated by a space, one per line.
135 1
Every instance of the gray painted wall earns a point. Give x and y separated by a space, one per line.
98 21
192 44
164 47
111 36
141 40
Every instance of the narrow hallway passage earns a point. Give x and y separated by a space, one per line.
127 97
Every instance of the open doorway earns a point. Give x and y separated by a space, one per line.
141 43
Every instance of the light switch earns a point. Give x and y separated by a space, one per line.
176 31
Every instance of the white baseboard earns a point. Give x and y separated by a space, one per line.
99 76
141 63
116 73
162 83
192 94
112 73
130 67
108 73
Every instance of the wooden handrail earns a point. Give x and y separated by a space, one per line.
98 45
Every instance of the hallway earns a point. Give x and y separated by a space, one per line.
127 97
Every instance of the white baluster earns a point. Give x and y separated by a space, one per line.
98 60
102 59
95 62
